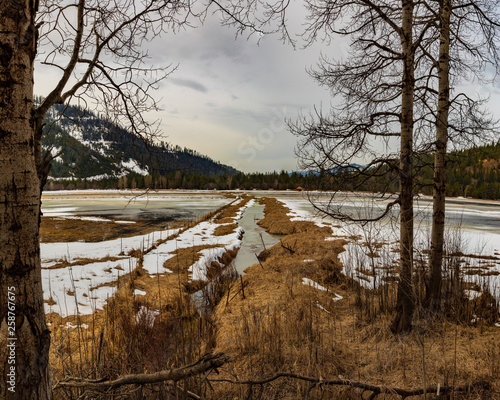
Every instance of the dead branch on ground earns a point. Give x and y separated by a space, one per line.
376 390
208 362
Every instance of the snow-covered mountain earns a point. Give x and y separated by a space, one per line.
94 148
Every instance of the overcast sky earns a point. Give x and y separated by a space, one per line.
228 97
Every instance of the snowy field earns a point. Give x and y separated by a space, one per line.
473 230
84 288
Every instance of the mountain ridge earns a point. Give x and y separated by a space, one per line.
90 147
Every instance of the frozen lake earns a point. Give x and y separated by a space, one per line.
157 206
479 221
469 213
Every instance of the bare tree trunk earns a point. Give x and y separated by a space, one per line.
433 295
24 338
406 300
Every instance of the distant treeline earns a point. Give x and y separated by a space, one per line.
470 173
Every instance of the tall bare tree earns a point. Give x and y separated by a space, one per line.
439 189
25 339
385 84
377 84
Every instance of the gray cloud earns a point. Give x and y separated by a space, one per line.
189 83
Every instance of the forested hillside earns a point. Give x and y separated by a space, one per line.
475 172
93 148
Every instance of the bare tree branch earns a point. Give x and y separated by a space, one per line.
206 363
404 393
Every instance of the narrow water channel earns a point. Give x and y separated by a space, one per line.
253 242
254 239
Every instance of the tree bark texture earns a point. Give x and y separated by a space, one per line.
24 337
405 298
433 295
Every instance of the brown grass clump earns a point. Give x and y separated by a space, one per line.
185 257
227 220
277 222
50 301
53 229
225 229
81 261
230 212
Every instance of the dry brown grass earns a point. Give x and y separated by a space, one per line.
81 261
277 222
283 325
225 229
230 212
276 323
53 229
185 257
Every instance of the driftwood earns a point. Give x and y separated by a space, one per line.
376 390
207 363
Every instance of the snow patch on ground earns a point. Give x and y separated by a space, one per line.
309 282
69 325
297 213
58 212
147 316
82 289
74 250
92 219
321 307
337 297
472 294
199 235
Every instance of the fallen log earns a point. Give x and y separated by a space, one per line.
207 363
